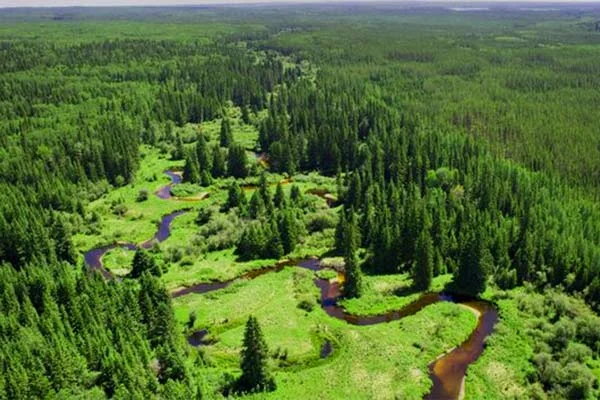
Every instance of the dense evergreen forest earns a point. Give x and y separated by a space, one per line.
410 150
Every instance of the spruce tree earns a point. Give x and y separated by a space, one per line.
179 151
424 259
191 171
142 262
234 196
353 285
203 153
255 375
353 276
279 198
225 135
218 163
237 161
62 242
475 263
288 229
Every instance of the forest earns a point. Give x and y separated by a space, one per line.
300 201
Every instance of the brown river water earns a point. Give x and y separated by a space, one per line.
447 372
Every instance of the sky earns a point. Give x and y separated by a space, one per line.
63 3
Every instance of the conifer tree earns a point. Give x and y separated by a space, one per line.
279 198
235 194
256 207
142 262
62 242
218 163
274 246
225 135
352 274
255 375
295 195
474 266
424 259
179 151
191 171
237 161
288 229
203 154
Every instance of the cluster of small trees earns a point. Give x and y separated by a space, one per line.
203 165
276 225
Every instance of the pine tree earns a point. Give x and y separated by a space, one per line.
225 135
203 155
218 163
424 259
475 263
179 151
255 375
288 229
142 262
296 195
352 275
245 115
256 207
191 171
237 161
279 198
353 285
234 196
273 247
62 242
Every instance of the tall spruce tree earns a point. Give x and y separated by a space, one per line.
255 375
225 135
353 286
142 262
237 161
474 266
191 171
424 259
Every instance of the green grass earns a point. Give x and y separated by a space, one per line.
388 292
380 361
213 266
118 261
138 223
503 367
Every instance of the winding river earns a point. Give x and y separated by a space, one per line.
447 372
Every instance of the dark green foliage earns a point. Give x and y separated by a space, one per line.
255 375
142 196
218 163
225 135
260 240
349 244
475 264
143 262
236 197
191 169
353 285
62 241
424 262
237 161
